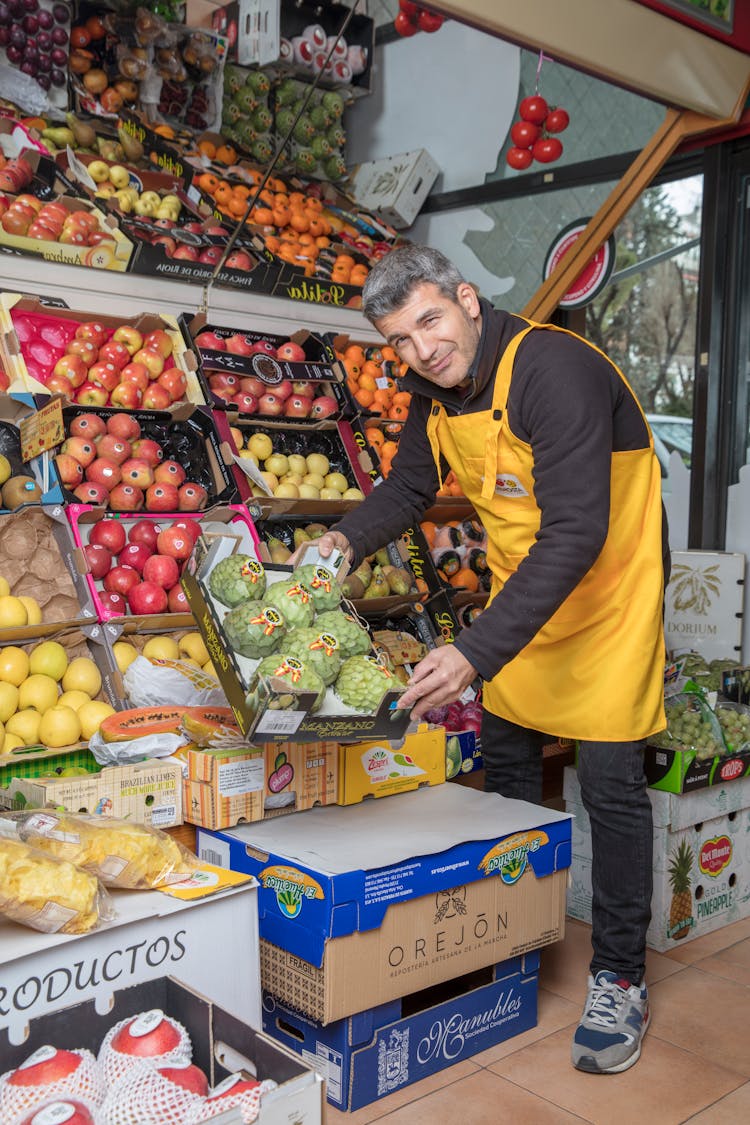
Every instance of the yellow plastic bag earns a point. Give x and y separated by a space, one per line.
47 893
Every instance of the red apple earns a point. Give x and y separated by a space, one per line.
128 336
126 498
156 397
165 240
188 1076
224 381
72 367
115 353
324 406
264 347
98 559
65 1111
124 426
175 541
84 451
252 385
283 389
211 256
105 472
159 341
176 601
162 498
147 597
209 341
238 345
298 406
45 1066
137 472
69 470
87 426
192 497
171 472
174 382
135 555
291 351
239 260
152 360
90 394
121 579
56 385
234 1092
113 602
148 450
108 533
136 373
246 403
114 448
127 395
190 527
269 403
103 374
163 570
91 493
145 532
304 387
84 349
91 330
186 253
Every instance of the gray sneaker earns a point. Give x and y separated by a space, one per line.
614 1021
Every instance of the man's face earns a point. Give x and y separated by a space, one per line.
436 336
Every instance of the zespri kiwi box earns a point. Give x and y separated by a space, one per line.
283 704
359 905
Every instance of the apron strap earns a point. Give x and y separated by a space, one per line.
503 377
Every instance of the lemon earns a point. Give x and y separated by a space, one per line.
82 675
91 715
4 587
318 463
5 469
11 742
60 726
26 725
125 654
209 669
39 692
74 699
49 659
33 609
192 644
14 665
260 445
12 612
8 700
161 648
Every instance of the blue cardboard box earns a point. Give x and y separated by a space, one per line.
463 753
359 904
371 1054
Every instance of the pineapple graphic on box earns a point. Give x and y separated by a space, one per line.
681 906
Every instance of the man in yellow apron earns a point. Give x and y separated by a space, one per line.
552 448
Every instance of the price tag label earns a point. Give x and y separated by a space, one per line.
382 382
79 170
42 430
280 722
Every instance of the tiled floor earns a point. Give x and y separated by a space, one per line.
695 1064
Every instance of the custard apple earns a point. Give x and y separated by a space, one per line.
254 629
353 639
318 649
298 675
322 584
294 600
236 579
362 683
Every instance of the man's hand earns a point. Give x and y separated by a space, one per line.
438 679
326 544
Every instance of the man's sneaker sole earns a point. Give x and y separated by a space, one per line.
588 1065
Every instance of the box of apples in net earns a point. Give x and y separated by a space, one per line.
268 375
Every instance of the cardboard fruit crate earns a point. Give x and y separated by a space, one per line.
13 409
382 768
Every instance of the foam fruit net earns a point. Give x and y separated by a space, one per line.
115 1065
85 1082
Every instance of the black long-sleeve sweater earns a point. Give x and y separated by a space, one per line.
570 405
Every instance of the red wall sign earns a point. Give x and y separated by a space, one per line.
593 277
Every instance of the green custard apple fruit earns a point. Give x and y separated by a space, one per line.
295 673
254 629
318 649
322 584
452 757
362 683
353 639
294 600
236 579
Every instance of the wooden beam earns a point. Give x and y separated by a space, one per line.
677 126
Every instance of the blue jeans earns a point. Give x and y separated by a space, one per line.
614 794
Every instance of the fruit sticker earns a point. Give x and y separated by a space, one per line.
292 887
509 857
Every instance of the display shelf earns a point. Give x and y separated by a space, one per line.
127 294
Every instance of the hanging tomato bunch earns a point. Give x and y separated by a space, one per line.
413 17
534 135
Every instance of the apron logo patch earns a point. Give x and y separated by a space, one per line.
508 485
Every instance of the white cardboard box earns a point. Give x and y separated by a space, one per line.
395 186
703 603
714 823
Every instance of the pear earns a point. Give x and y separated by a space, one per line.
352 587
60 136
382 557
315 530
364 573
278 551
378 587
132 148
300 536
398 579
84 136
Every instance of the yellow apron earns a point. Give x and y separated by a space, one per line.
595 670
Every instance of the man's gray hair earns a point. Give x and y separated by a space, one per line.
390 283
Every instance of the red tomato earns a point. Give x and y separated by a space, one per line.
518 158
547 150
533 108
80 37
404 25
429 21
410 8
556 121
524 133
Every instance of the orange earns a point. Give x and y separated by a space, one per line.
165 131
352 369
207 148
313 204
319 227
225 154
364 397
281 216
344 260
390 449
299 220
398 413
355 353
359 275
388 354
428 530
223 194
275 184
366 381
321 241
372 369
374 437
296 199
273 243
288 252
242 191
466 578
382 397
207 181
401 398
262 215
